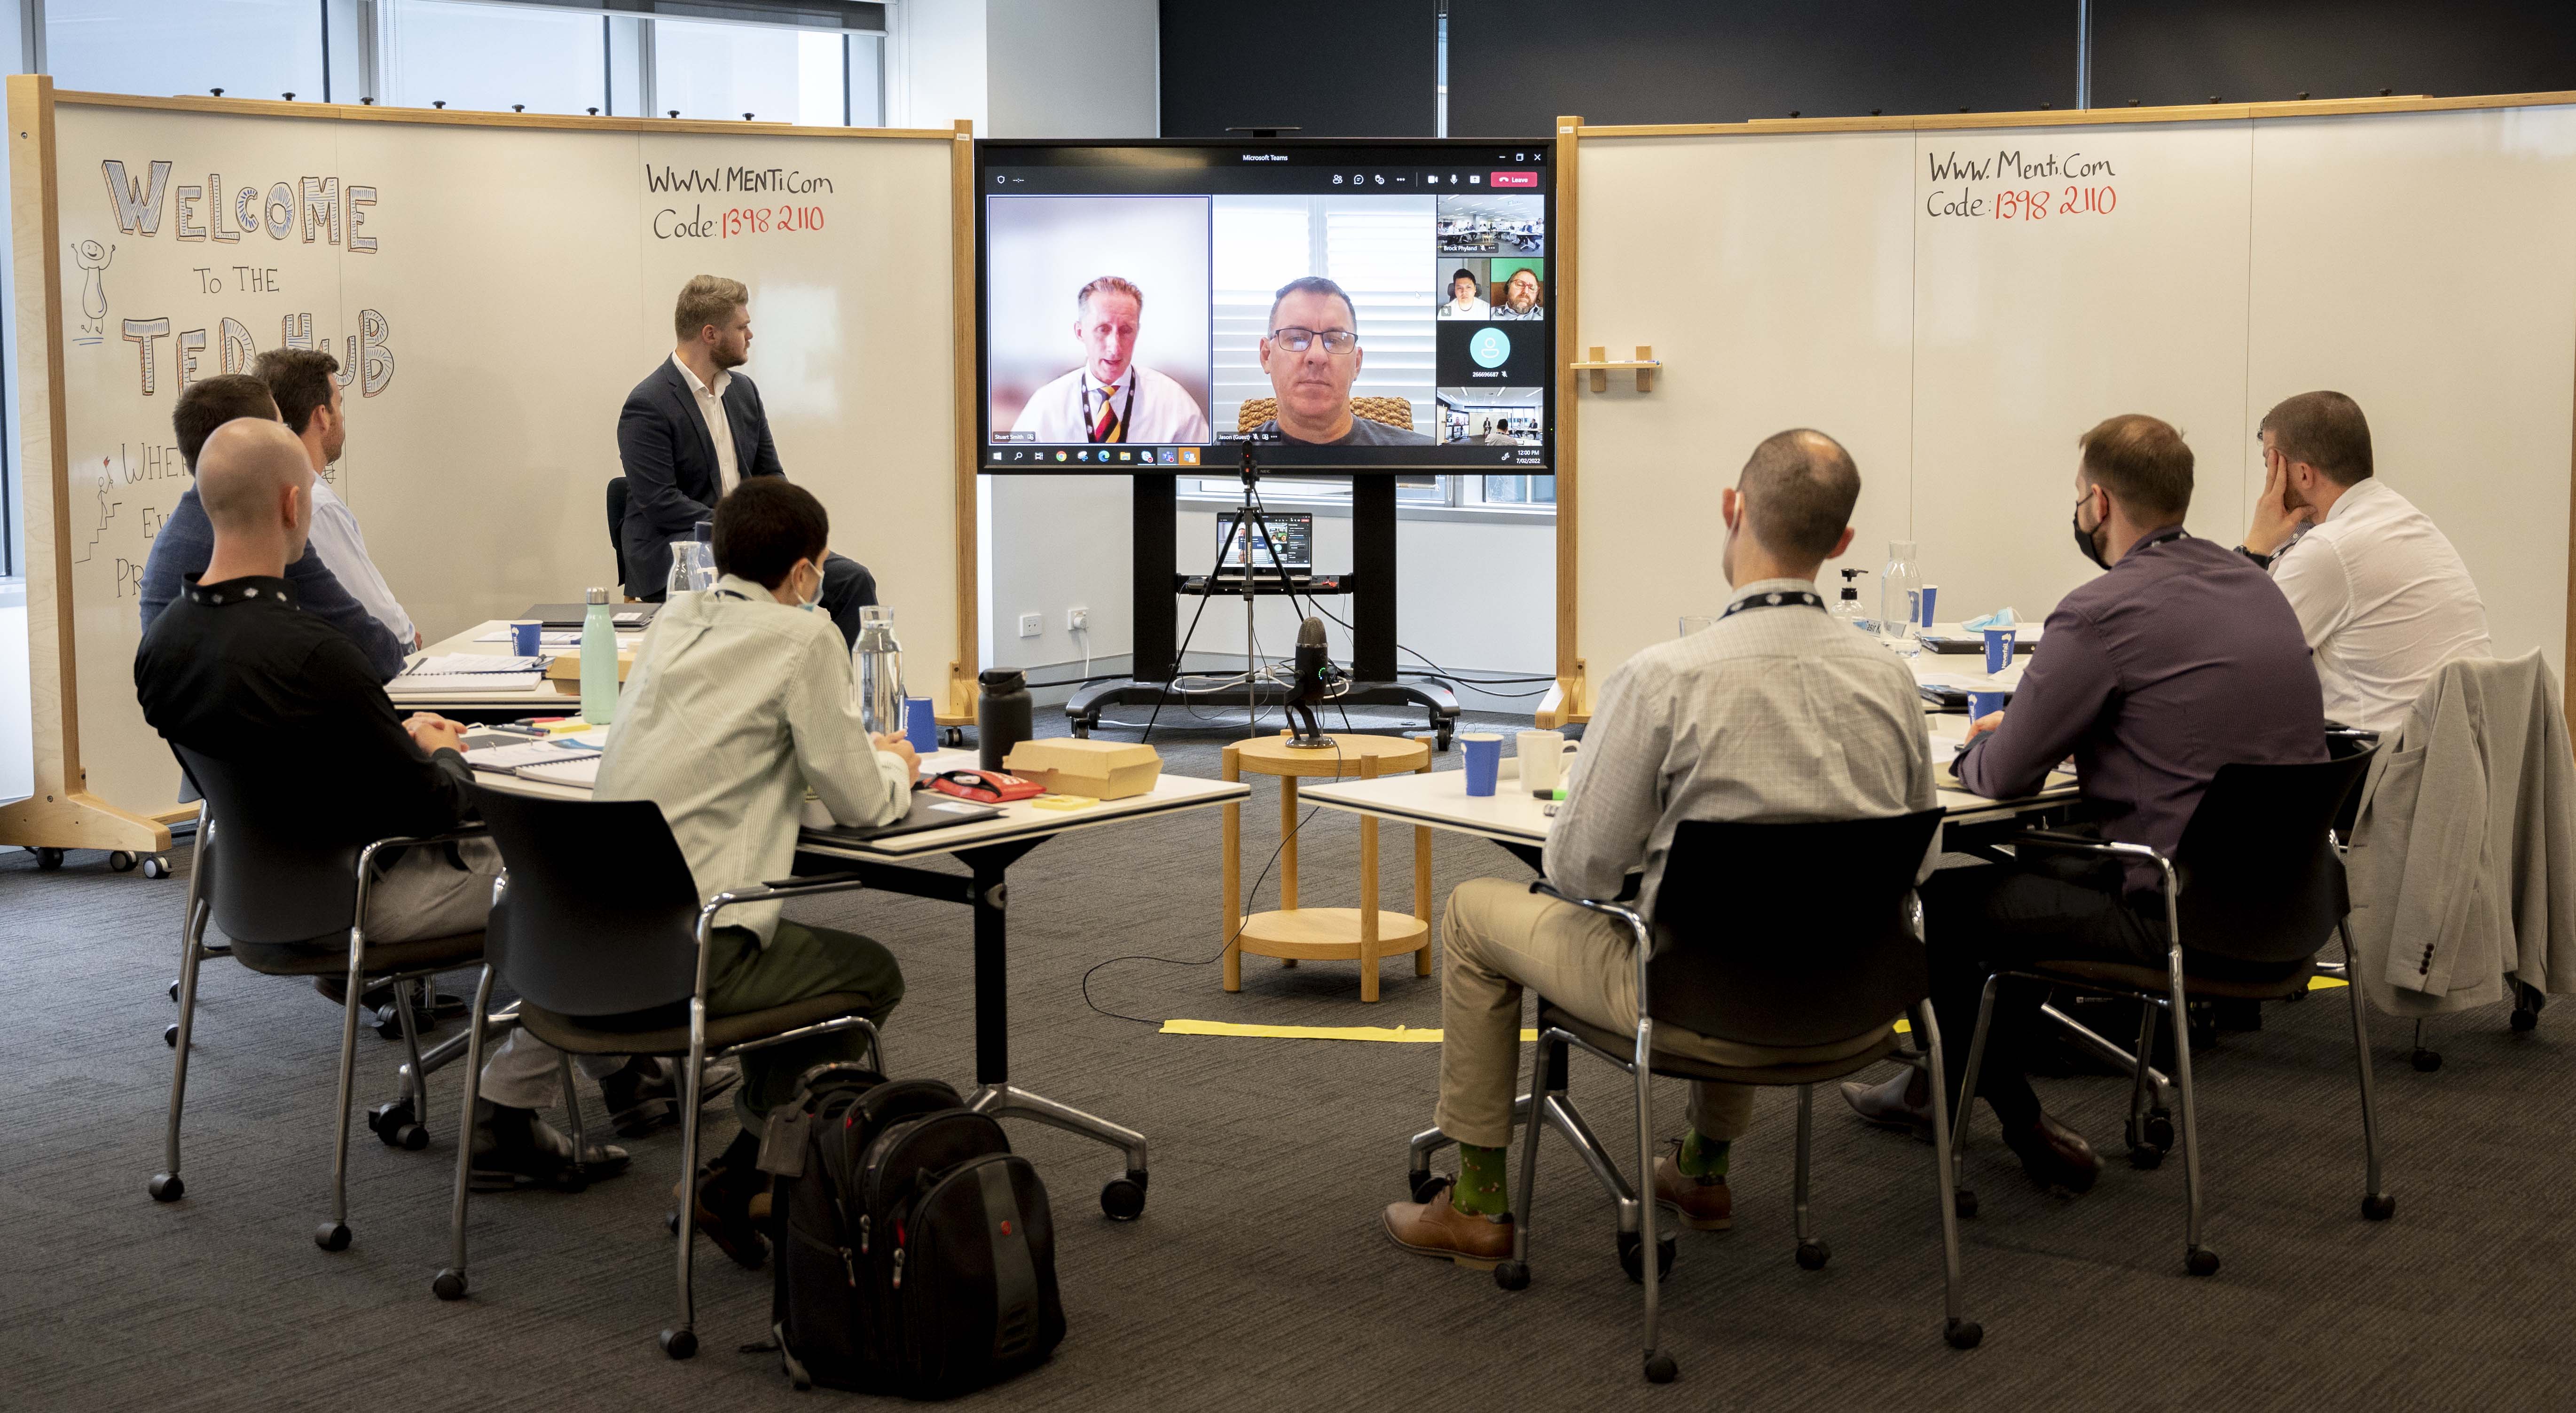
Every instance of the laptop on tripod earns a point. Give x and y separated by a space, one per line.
1285 555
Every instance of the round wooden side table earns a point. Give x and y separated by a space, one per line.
1291 933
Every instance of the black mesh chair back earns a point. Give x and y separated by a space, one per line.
617 528
1789 934
273 884
600 914
2260 880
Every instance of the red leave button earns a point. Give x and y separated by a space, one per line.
1509 179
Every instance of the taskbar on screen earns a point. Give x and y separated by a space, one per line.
1226 458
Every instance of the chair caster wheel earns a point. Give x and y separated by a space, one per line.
1440 742
2160 1130
1512 1275
156 866
2379 1206
389 1023
575 1178
1964 1334
1422 1184
2426 1061
2146 1157
449 1285
680 1344
166 1187
411 1138
387 1121
1630 1245
671 1221
2201 1261
332 1236
49 859
1122 1198
119 861
170 1036
953 737
174 993
1964 1202
1812 1255
1081 732
1660 1368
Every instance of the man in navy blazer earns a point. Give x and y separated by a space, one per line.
691 431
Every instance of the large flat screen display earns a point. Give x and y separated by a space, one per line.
1335 306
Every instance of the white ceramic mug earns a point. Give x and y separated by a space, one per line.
1542 755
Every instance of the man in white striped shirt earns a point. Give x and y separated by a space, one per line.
1777 713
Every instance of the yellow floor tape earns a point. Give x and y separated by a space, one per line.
1411 1035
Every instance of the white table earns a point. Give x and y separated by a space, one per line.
547 697
988 847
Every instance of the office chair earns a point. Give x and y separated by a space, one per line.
293 907
596 924
1391 411
617 531
2255 879
1775 935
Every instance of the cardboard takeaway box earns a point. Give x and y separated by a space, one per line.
1103 770
566 667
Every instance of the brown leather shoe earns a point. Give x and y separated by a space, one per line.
1893 1104
1702 1205
2055 1156
1435 1228
723 1212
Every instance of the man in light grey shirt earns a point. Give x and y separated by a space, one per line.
1777 713
739 703
2382 597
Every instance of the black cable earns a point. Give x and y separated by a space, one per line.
1250 894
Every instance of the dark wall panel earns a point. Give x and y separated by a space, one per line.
1329 68
2186 51
1514 65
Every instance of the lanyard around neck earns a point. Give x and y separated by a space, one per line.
1775 598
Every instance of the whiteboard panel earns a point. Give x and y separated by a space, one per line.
521 282
2038 314
2422 263
1772 277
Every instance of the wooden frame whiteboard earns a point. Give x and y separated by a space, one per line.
1571 698
933 547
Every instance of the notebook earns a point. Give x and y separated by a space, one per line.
581 772
524 757
628 617
930 810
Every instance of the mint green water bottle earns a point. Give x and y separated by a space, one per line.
598 660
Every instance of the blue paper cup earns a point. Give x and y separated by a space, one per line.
1924 604
1984 704
920 724
1484 750
527 637
1999 649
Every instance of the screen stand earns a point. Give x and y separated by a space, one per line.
1370 585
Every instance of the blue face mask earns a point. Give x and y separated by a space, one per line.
814 604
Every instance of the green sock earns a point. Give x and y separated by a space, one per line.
1479 1191
1703 1157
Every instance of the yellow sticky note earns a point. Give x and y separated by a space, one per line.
1062 802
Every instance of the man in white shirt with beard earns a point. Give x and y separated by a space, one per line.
1111 397
2382 597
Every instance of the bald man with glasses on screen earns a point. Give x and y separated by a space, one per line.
1312 355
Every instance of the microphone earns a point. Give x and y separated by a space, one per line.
1314 673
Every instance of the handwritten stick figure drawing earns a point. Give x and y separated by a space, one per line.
93 260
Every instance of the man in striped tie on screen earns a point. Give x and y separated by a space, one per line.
1112 397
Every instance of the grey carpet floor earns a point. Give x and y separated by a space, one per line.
1257 1277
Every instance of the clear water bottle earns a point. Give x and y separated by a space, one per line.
598 660
1900 589
1847 608
876 672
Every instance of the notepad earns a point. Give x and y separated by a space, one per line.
581 772
463 683
474 664
528 753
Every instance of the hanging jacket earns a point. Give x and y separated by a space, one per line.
2463 859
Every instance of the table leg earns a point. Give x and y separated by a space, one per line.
1368 892
1287 851
1233 847
1422 888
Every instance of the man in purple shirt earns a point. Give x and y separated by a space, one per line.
2180 658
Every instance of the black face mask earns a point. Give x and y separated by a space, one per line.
2084 542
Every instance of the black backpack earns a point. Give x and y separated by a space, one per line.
915 1253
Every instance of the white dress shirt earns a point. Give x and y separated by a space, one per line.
737 705
1473 309
2383 600
711 407
1161 410
343 548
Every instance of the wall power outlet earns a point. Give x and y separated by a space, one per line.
1032 624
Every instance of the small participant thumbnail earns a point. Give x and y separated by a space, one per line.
1492 225
1492 287
1492 416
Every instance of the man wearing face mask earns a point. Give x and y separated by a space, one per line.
1777 713
2179 659
739 703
